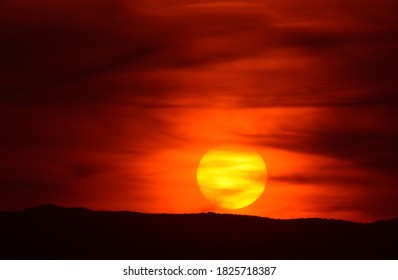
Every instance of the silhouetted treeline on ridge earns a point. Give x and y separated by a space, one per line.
52 232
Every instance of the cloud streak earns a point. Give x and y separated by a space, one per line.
98 90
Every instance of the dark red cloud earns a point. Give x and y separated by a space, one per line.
86 86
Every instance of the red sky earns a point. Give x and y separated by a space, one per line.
111 104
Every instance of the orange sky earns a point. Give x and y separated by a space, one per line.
114 109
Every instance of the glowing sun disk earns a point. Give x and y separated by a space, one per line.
231 177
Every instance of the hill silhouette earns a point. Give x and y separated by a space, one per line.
52 232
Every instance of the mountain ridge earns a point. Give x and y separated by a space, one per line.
47 207
53 232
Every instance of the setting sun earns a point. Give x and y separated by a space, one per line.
231 177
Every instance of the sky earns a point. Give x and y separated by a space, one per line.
111 104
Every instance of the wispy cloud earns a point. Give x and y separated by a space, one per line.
83 83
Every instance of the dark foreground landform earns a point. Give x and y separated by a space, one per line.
51 232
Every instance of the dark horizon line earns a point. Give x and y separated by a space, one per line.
47 206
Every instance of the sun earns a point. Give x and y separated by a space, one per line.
231 177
